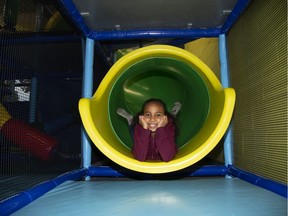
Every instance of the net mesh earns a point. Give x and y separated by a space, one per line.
21 167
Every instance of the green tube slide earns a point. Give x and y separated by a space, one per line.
170 74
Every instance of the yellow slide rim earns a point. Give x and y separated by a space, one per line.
218 118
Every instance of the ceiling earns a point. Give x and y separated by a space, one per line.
134 19
153 14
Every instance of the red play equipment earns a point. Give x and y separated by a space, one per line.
25 136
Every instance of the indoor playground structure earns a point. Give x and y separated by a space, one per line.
159 66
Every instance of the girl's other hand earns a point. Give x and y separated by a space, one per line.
163 121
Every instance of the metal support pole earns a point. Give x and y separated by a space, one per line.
33 100
224 70
87 91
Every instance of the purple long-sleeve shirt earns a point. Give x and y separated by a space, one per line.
161 146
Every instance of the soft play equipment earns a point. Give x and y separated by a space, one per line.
171 74
27 137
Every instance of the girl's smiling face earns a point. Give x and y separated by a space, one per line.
153 113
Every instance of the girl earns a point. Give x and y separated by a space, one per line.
154 131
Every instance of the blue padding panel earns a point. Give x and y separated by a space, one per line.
18 201
268 184
193 196
196 171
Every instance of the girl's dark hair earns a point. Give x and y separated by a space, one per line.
153 100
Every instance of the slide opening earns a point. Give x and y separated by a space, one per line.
167 79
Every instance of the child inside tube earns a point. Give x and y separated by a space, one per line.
153 131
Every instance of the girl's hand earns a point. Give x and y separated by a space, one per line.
142 122
163 122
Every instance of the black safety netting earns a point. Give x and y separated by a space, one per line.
40 85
